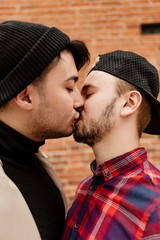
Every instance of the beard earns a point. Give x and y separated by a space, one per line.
94 131
45 124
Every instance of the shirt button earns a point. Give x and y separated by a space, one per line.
92 188
76 225
108 174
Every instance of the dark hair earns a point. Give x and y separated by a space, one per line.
80 53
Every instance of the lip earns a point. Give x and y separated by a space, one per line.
77 117
77 121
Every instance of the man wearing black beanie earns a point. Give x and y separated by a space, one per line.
38 100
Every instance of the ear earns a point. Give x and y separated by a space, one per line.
24 100
133 100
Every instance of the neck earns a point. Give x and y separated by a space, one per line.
114 145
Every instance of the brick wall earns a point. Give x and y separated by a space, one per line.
105 25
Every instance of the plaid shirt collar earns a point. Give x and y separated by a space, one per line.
120 164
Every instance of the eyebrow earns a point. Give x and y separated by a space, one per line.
73 78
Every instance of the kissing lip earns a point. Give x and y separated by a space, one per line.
78 119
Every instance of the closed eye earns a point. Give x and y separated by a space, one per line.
69 90
88 90
88 95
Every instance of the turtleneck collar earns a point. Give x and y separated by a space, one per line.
16 143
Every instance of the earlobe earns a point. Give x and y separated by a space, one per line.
132 103
23 100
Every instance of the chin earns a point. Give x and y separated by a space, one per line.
69 133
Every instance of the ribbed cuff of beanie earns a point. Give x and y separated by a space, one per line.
51 43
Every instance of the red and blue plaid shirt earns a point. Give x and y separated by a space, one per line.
120 201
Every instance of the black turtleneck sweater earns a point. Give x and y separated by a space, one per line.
44 200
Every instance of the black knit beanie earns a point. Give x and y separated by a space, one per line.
26 49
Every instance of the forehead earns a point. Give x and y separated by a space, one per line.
100 79
66 58
64 67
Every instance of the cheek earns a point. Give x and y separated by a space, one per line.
60 97
64 103
92 104
90 109
94 108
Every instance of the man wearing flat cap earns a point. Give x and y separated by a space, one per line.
121 200
38 100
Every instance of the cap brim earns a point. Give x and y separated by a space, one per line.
154 125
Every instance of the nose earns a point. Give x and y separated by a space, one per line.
78 100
